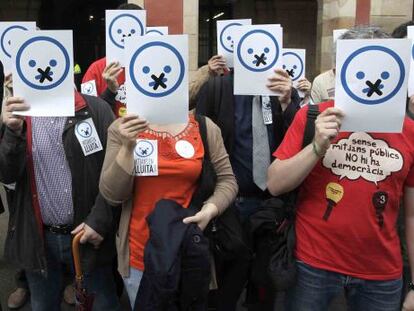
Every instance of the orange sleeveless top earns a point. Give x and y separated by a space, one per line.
177 180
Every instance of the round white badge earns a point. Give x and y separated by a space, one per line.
184 149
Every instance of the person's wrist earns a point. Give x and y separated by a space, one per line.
211 209
318 150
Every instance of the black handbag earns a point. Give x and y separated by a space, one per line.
225 232
274 230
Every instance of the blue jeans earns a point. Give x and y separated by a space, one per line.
315 289
46 290
132 284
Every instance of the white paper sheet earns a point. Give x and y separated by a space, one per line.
8 31
225 37
157 78
371 83
43 72
258 52
122 24
337 33
157 31
294 62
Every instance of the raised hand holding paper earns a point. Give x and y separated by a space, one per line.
225 37
43 72
8 31
372 97
122 24
157 31
157 78
258 52
294 64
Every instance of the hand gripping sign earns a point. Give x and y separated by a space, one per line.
157 78
225 37
371 83
43 72
121 25
258 52
8 31
294 64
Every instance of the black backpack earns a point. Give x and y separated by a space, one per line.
272 231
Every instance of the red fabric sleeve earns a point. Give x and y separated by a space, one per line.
94 72
292 143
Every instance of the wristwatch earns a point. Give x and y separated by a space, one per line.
411 286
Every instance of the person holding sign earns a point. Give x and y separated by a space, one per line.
49 207
251 126
110 77
145 163
350 189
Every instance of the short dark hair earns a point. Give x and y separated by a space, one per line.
401 31
129 6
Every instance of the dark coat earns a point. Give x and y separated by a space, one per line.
216 101
177 262
24 242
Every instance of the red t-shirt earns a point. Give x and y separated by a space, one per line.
94 72
360 180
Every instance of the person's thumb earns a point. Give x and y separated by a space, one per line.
191 219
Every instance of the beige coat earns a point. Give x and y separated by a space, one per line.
117 181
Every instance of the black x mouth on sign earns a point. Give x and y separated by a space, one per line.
374 88
44 74
158 81
291 72
260 59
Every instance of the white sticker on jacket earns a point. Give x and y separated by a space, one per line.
88 137
146 158
184 149
267 110
89 88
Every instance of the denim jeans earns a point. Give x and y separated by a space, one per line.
46 290
132 284
315 289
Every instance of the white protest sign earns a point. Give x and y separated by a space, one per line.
157 31
371 83
157 78
410 35
89 88
294 64
122 24
337 33
43 72
146 158
8 31
225 37
85 132
258 51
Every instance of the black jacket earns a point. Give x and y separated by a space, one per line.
24 242
177 262
216 101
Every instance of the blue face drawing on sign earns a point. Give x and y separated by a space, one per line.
293 65
154 32
144 149
372 75
160 77
42 71
258 50
7 36
226 37
84 129
123 26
